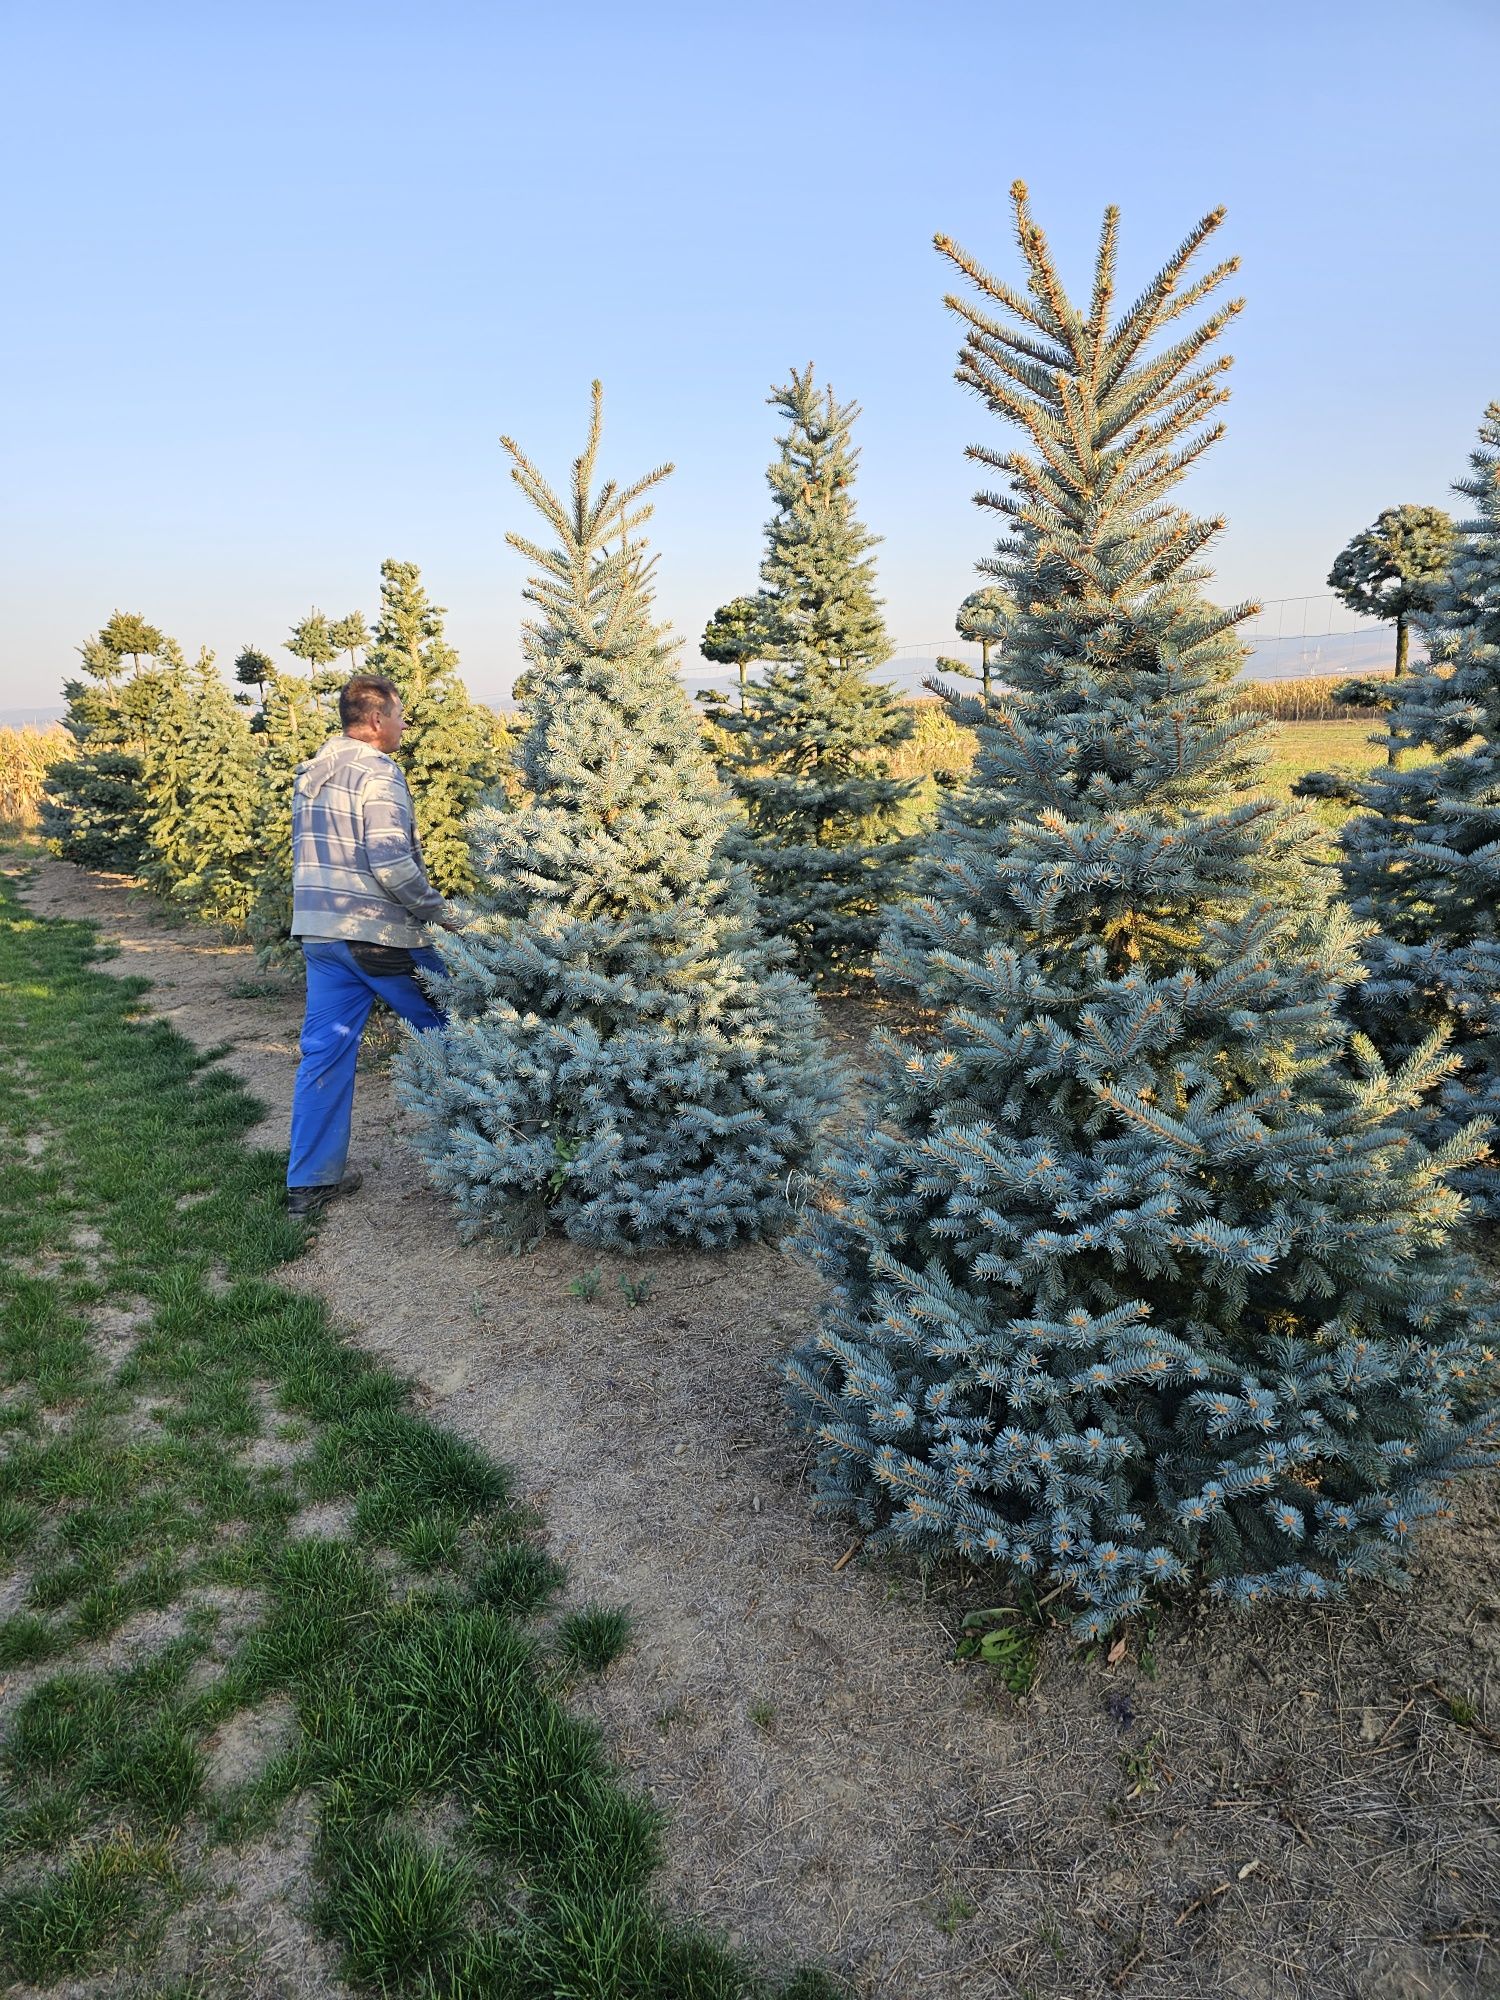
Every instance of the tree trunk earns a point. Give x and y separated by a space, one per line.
1403 647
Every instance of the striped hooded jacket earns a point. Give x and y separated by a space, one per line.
356 866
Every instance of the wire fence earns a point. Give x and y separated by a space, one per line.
1289 638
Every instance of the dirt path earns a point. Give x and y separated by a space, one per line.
1280 1807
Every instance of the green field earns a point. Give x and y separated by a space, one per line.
1322 746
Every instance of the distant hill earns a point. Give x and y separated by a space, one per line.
1370 650
29 718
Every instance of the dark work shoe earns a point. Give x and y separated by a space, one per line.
307 1202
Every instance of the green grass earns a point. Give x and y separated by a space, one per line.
1300 747
423 1688
402 1905
595 1637
69 1918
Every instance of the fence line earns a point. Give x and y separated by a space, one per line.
1289 637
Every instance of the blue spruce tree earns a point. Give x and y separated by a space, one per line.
1129 1281
809 755
1422 861
623 1055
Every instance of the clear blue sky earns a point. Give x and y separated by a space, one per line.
281 275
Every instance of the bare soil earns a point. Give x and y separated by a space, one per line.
1295 1803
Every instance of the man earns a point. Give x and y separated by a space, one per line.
361 902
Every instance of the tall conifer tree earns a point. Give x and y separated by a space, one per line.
622 1055
1129 1282
448 750
809 751
1422 860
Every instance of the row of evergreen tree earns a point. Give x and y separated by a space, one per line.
179 780
169 786
1142 1265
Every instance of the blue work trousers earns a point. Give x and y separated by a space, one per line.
339 999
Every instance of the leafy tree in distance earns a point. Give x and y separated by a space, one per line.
252 669
312 643
735 637
1392 570
1131 1279
1421 860
92 810
350 635
985 619
809 756
448 751
622 1055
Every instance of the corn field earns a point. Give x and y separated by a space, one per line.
26 755
940 749
1309 699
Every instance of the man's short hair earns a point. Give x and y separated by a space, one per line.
366 699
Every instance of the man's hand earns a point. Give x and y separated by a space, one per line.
449 921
